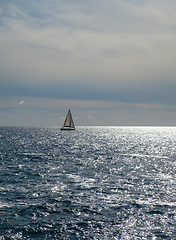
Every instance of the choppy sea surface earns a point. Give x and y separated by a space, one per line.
91 183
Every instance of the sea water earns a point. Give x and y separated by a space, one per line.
91 183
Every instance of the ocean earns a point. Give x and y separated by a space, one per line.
91 183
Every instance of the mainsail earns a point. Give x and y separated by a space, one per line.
68 124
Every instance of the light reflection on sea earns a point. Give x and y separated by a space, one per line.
92 183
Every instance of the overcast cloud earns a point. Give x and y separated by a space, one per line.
117 53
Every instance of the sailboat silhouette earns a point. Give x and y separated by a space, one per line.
68 124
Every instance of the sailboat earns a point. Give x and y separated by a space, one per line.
68 124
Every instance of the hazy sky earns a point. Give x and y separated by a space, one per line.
112 62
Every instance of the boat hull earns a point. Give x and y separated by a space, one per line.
67 128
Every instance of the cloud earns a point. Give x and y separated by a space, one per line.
21 102
49 112
89 117
143 50
115 51
59 55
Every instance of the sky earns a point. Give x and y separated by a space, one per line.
113 63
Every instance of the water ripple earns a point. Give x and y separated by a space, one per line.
92 183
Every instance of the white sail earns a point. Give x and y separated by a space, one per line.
68 124
71 121
67 120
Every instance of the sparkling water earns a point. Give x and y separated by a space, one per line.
91 183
